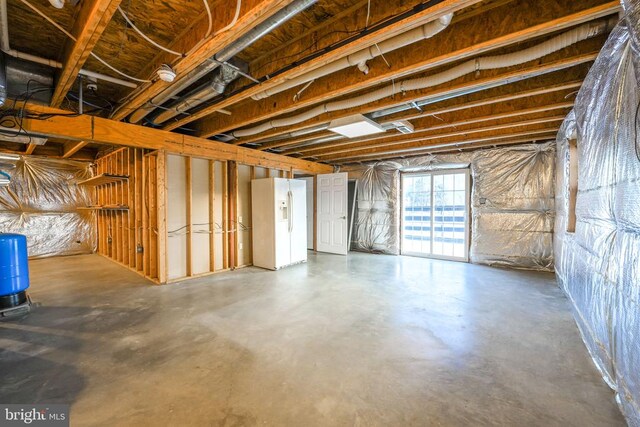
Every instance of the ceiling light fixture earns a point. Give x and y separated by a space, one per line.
354 126
166 73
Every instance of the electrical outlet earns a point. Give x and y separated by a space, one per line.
139 249
240 245
240 219
109 240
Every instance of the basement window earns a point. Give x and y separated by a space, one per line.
573 185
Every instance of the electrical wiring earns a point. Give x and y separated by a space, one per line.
148 39
208 9
68 34
218 229
233 21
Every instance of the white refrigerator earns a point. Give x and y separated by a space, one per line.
279 222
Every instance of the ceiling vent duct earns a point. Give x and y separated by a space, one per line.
403 126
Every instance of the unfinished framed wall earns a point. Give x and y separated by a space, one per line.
209 215
197 224
171 217
129 202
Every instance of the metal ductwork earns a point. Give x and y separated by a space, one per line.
3 79
224 55
25 77
19 77
221 77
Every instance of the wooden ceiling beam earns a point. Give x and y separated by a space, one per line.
498 28
105 131
72 147
475 100
455 149
425 128
329 154
430 123
253 12
382 8
420 146
92 20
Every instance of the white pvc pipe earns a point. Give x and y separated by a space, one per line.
357 59
361 57
486 63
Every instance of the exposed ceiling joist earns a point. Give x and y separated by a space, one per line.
423 146
424 130
391 145
71 148
92 20
474 36
471 101
454 148
383 8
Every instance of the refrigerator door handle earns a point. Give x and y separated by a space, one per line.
290 210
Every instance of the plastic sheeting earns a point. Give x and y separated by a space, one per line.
42 203
598 265
512 206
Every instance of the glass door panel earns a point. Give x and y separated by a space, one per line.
435 214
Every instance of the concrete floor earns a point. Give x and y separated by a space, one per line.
362 340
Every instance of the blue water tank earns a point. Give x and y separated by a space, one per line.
14 264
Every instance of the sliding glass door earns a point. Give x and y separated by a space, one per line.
435 214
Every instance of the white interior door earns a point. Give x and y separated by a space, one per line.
332 213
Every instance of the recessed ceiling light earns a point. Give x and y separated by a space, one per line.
166 73
58 4
354 126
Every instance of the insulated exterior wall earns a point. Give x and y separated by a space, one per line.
512 198
512 206
598 265
42 203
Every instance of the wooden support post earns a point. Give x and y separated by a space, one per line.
232 218
189 210
225 215
145 215
315 212
212 216
161 188
153 216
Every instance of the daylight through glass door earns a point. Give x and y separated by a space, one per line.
435 214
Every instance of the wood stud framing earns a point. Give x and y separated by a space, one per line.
132 237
